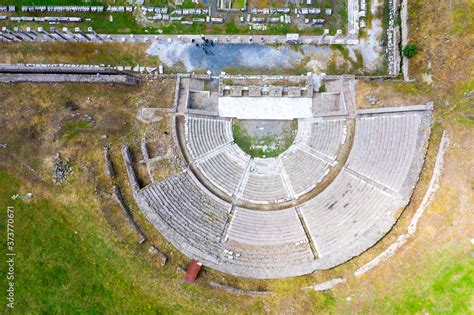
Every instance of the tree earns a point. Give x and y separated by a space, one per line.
409 50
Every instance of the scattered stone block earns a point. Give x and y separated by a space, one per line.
161 258
62 168
108 162
372 99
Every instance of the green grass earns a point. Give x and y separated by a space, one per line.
445 287
122 23
281 29
71 129
188 4
385 20
231 28
254 146
156 3
177 28
62 264
342 12
407 88
342 49
238 4
462 20
461 105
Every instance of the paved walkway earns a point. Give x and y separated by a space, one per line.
73 36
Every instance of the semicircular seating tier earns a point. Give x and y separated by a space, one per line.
264 180
354 212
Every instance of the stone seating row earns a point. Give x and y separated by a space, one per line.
261 181
264 183
266 228
268 180
225 169
205 135
191 216
264 261
384 147
339 218
304 170
272 239
341 222
323 135
195 222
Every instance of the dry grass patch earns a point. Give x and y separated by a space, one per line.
116 54
388 94
441 32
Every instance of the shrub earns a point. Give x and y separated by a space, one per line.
409 50
71 106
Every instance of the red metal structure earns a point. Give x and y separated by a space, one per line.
193 271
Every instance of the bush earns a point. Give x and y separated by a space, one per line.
409 50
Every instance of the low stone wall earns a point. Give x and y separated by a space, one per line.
60 78
393 39
238 291
56 73
108 162
377 78
128 214
57 68
132 177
